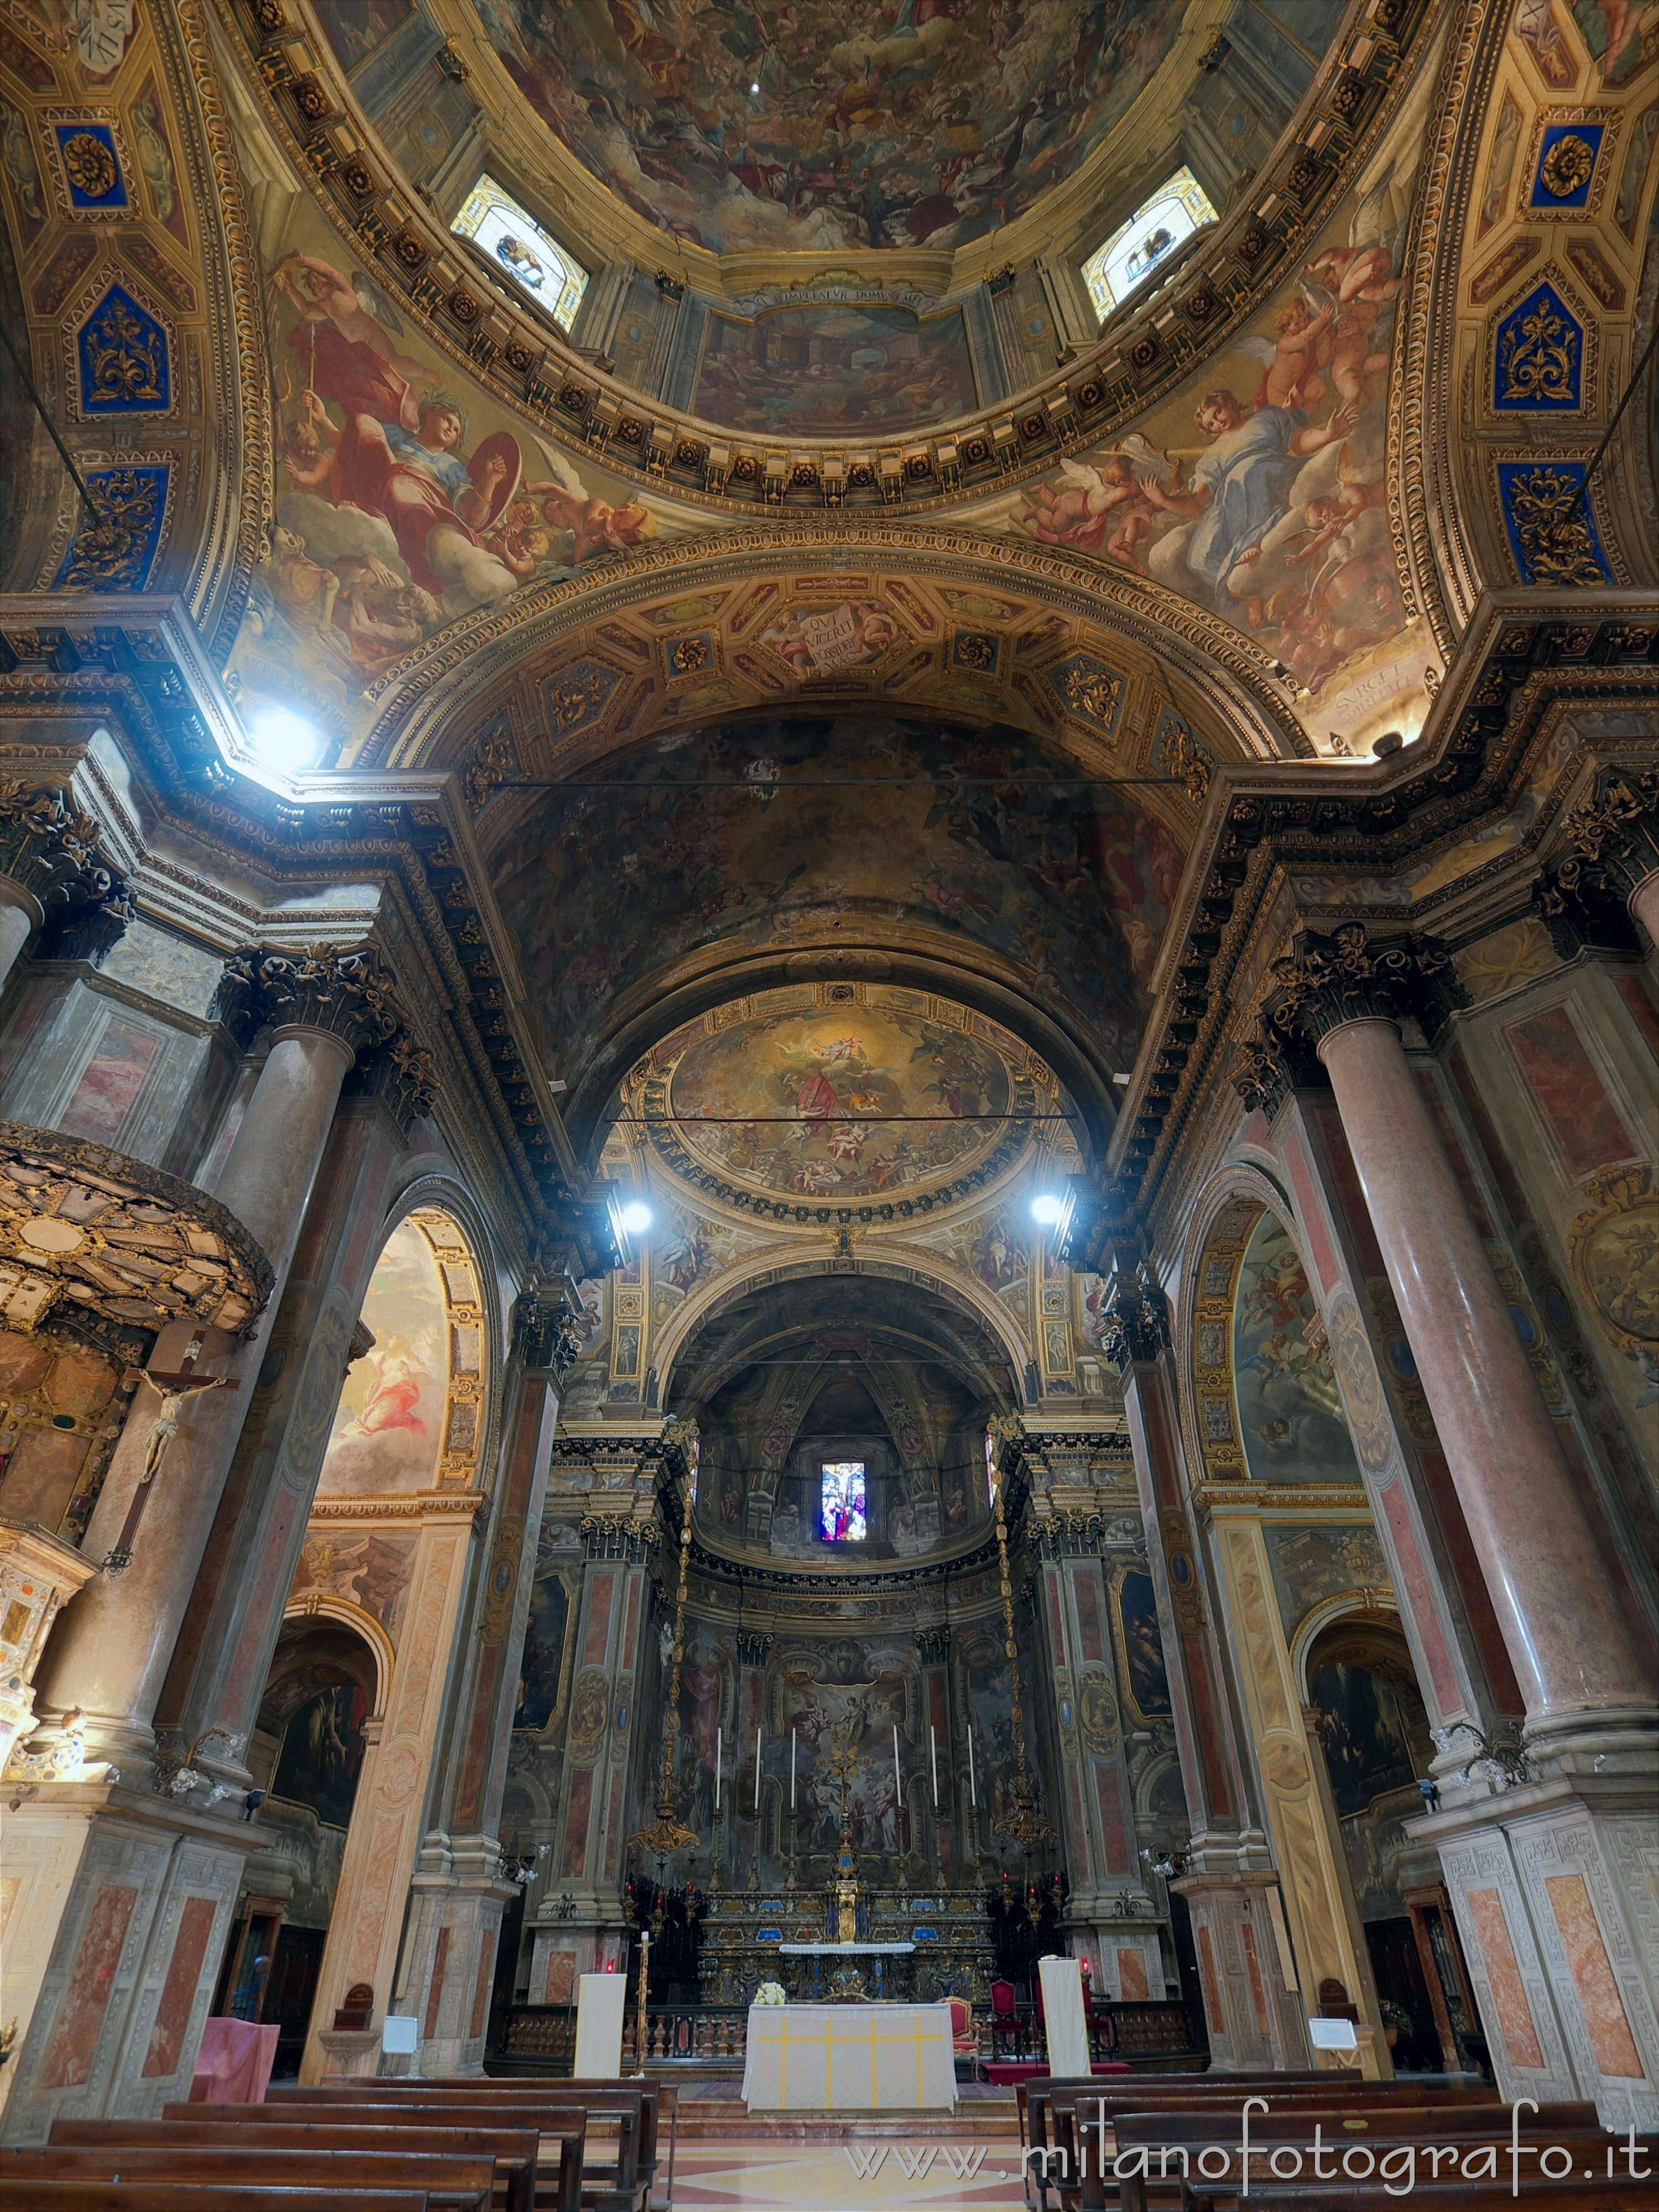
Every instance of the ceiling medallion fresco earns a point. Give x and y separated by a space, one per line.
786 128
848 1101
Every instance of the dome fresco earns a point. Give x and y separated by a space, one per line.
793 1100
784 127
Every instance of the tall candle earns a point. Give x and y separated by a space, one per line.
933 1753
759 1732
973 1794
719 1740
792 1769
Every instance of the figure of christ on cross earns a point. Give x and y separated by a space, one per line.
174 1391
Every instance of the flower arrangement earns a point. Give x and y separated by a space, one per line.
771 1993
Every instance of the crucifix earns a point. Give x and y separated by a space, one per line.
174 1391
841 1761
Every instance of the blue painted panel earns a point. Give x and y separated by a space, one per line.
92 167
114 552
1554 540
1566 165
1538 361
123 354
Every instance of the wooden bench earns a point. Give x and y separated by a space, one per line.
1621 2194
534 2165
214 2197
563 2178
593 2093
1184 2120
513 2154
1379 2130
632 2106
449 2185
1040 2131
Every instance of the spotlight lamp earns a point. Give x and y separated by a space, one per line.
635 1217
1046 1208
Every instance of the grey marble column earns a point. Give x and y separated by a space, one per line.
111 1651
19 913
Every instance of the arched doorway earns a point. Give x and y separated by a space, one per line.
306 1755
1367 1716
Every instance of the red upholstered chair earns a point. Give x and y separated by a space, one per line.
1005 2017
965 2035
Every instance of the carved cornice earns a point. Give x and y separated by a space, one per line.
425 1505
1527 656
1358 975
527 363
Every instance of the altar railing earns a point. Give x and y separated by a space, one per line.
542 2038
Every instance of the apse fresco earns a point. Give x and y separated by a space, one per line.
796 1103
1258 490
388 1428
1290 1411
833 370
404 498
603 889
796 128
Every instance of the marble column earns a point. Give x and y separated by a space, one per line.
20 914
111 1651
458 1897
1557 1607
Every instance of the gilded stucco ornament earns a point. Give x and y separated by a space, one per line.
1611 1247
109 1236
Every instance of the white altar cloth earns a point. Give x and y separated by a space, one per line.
849 2058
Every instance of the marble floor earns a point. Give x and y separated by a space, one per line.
755 2170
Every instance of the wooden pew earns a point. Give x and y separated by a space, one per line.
1622 2194
449 2185
632 2105
660 2101
1379 2130
563 2184
512 2154
1073 2115
212 2196
1039 2131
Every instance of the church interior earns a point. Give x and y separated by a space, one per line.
621 1357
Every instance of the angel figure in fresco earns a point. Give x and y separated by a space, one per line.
1103 505
392 1403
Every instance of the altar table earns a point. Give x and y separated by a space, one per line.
849 2058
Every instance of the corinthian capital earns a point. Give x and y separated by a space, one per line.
1614 842
51 851
1355 975
348 994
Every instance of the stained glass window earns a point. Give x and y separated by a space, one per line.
844 1501
516 242
1138 246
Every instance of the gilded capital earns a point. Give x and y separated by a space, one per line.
1355 975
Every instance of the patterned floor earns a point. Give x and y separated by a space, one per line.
748 2174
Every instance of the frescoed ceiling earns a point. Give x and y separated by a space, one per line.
764 838
787 126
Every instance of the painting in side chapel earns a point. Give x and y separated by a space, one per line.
1258 490
1140 1647
405 497
1290 1411
543 1656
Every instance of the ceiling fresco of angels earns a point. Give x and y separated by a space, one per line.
1259 489
781 126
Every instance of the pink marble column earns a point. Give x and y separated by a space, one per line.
110 1651
1557 1610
